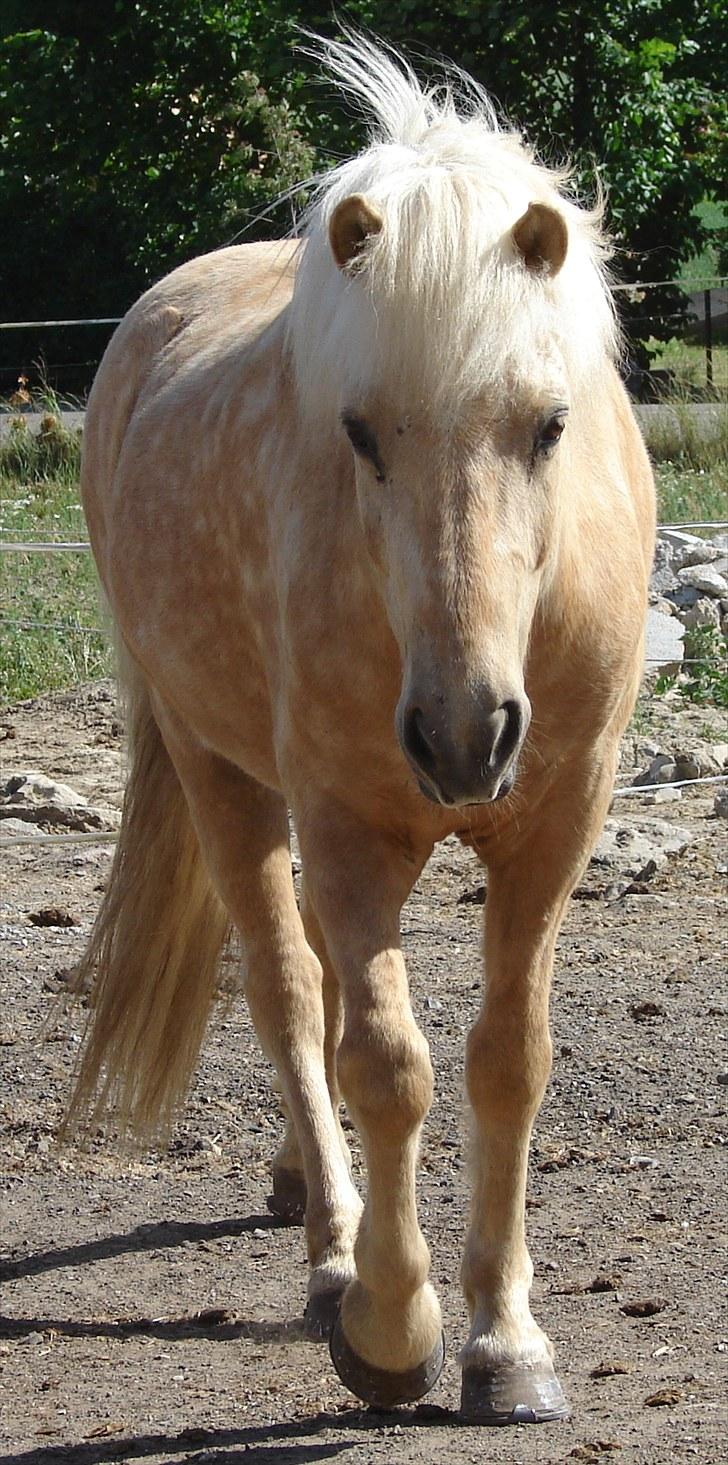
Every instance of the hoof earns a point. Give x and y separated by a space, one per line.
514 1393
288 1201
322 1310
377 1385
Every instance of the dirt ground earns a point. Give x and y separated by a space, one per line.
150 1305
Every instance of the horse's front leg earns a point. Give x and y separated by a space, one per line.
288 1200
508 1374
387 1344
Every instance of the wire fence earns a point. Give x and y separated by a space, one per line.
637 790
688 340
45 840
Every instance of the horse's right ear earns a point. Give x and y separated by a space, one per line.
353 221
541 236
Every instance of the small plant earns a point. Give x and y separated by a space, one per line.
706 649
705 678
51 453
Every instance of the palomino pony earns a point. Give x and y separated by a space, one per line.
375 525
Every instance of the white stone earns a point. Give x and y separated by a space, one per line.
703 613
663 642
33 787
666 795
705 578
11 827
34 798
687 549
630 846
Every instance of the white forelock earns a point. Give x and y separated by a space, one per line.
443 305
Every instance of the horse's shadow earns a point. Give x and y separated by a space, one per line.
254 1445
215 1323
150 1237
295 1443
285 1442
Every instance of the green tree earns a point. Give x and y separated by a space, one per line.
136 133
132 136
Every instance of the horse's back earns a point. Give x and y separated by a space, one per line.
217 299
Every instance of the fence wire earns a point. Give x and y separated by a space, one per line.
636 790
108 837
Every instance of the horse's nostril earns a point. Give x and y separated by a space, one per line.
508 734
415 738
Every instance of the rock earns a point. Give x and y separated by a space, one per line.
686 763
643 1011
682 596
667 795
629 847
646 1307
661 605
720 804
697 762
687 766
686 549
29 787
12 827
52 915
704 577
663 642
663 572
661 769
703 613
33 798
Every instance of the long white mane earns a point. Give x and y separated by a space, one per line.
445 305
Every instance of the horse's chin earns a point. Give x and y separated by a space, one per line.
436 795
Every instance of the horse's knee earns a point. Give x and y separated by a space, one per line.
385 1075
507 1066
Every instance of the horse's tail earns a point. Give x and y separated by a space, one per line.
152 960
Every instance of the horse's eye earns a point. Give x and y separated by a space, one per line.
360 436
550 433
364 442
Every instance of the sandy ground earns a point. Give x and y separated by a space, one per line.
150 1305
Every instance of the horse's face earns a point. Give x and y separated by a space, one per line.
459 527
459 517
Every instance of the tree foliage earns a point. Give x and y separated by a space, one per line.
132 136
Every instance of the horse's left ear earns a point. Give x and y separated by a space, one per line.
541 237
353 221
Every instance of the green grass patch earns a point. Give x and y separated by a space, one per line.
691 436
685 494
687 361
51 607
